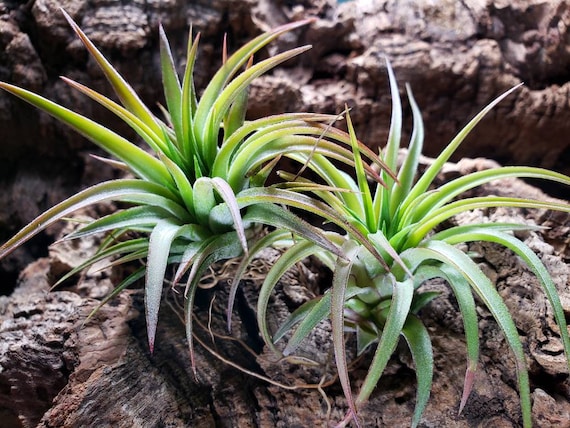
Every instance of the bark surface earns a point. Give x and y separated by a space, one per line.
456 56
58 371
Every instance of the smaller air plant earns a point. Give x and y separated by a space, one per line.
200 195
403 220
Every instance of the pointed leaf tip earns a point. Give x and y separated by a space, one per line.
150 341
467 386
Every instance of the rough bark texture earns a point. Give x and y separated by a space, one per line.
101 374
456 56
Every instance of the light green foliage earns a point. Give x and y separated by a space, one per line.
377 298
200 195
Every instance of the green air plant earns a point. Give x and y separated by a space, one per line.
378 299
200 195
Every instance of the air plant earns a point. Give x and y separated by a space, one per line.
403 220
200 195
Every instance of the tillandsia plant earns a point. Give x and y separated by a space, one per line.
200 196
403 219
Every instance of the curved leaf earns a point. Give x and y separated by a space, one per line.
227 194
262 243
417 336
341 278
115 190
129 218
131 279
534 263
158 251
448 191
137 246
445 253
230 68
140 162
397 316
429 175
464 297
430 221
204 200
273 215
221 247
287 260
123 90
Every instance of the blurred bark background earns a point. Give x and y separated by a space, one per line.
456 56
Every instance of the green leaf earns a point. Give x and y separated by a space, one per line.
212 93
129 218
447 254
131 279
142 129
279 196
397 316
365 337
160 241
257 127
189 101
235 116
188 313
264 242
419 343
395 133
533 262
221 247
226 193
370 219
273 215
298 143
341 278
315 310
288 259
137 246
172 89
455 231
308 316
385 248
115 190
382 196
448 191
183 185
464 296
125 93
409 168
228 96
436 217
189 255
140 162
204 200
429 175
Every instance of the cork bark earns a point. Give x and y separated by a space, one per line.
56 371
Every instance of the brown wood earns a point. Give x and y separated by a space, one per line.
457 56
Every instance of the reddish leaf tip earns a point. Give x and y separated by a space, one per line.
151 344
467 386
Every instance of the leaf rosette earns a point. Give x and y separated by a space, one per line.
197 193
402 241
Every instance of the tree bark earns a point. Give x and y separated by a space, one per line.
102 374
457 56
